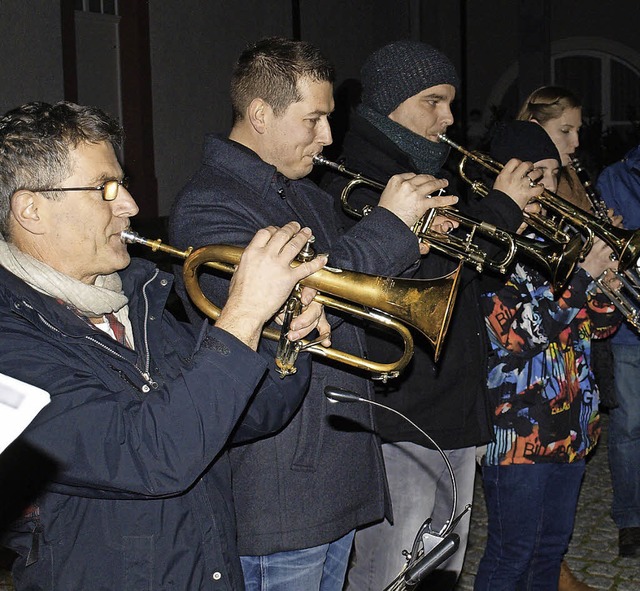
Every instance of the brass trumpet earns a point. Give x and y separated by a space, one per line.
425 305
624 243
557 260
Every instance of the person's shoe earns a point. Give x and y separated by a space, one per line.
629 541
568 582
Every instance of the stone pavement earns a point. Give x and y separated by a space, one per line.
593 553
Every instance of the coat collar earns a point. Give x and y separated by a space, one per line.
240 162
34 304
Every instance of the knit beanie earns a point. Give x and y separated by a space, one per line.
524 140
400 70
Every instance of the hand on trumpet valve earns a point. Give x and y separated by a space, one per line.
616 220
265 278
409 196
599 259
520 181
312 317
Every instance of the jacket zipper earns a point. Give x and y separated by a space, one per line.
150 383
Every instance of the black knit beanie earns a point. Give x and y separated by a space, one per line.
398 71
524 140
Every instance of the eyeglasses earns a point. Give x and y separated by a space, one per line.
109 188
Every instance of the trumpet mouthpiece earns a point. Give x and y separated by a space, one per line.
443 138
129 236
320 160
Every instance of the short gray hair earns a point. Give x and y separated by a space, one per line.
36 140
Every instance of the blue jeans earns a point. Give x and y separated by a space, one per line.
624 437
420 487
531 509
322 568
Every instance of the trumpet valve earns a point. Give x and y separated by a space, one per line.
308 252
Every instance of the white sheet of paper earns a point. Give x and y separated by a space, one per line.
19 404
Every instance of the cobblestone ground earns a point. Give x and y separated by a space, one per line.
593 553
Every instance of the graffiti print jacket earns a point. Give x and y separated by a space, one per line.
540 380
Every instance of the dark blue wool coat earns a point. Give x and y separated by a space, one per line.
323 475
131 484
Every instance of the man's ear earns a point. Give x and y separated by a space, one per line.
258 113
27 209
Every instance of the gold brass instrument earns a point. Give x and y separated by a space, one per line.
542 225
557 260
624 243
357 180
624 288
425 305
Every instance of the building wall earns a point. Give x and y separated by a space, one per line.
194 44
30 52
191 71
493 33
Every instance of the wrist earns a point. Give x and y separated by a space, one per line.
241 324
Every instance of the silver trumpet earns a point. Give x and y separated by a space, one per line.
622 287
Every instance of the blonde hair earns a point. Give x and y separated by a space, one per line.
546 103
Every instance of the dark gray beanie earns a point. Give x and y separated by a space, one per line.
397 71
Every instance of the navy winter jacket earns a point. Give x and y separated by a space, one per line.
129 475
323 475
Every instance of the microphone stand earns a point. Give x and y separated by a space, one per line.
429 549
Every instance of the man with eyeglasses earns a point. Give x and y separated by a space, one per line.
122 481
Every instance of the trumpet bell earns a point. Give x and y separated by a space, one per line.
561 260
423 304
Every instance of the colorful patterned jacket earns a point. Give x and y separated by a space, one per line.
540 379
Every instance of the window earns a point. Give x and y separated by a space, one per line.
99 6
608 87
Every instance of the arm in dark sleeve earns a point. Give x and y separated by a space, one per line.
106 440
496 208
277 399
379 244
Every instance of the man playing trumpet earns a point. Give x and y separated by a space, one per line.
123 480
301 493
407 92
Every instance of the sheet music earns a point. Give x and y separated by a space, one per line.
19 404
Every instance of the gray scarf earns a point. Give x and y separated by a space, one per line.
92 301
427 157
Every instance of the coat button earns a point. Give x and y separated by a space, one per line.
163 282
216 576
